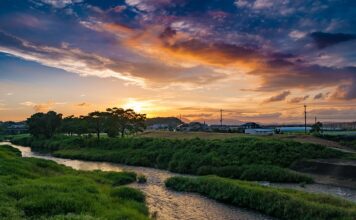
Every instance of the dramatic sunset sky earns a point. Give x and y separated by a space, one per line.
259 60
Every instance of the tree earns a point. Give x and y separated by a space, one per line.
96 120
121 121
74 125
44 124
317 127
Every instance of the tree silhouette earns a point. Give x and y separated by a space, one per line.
121 121
44 124
96 121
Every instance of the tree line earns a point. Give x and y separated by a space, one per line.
114 121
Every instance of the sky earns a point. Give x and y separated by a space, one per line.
258 60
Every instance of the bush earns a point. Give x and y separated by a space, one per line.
280 203
32 188
127 193
141 179
250 158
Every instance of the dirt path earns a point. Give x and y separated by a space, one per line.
316 140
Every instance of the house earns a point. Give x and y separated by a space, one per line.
259 131
225 128
250 125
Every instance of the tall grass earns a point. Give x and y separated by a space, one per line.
348 140
248 158
33 188
281 203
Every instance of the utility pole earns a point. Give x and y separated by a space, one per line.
315 120
221 117
305 118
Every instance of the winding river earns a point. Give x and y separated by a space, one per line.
166 204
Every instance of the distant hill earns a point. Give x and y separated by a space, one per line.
170 121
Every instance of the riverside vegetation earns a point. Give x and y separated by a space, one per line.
280 203
247 158
33 188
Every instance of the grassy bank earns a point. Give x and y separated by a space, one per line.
248 158
281 203
33 188
346 140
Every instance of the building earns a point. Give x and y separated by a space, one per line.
250 125
259 131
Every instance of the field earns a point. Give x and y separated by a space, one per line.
280 203
33 188
247 157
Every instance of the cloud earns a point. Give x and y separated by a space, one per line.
296 35
334 114
320 96
199 115
60 3
83 104
279 97
298 99
145 73
323 40
41 107
283 74
261 4
345 92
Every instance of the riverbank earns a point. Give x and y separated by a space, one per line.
247 158
168 204
32 188
162 203
280 203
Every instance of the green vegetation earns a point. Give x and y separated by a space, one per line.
348 140
33 188
113 121
281 203
141 178
248 158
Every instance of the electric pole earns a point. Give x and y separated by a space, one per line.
315 119
305 118
221 117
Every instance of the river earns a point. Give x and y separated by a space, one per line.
166 204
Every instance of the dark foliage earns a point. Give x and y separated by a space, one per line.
246 158
280 203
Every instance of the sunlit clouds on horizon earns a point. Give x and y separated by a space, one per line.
257 60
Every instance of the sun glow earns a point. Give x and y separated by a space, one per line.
135 105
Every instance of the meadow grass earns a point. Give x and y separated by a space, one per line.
32 188
248 158
280 203
345 139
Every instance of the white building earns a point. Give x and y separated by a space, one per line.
259 131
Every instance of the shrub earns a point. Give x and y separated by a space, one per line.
141 179
280 203
127 193
32 188
250 158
